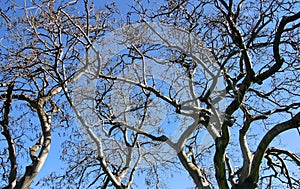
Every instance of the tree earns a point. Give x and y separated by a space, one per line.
145 90
39 51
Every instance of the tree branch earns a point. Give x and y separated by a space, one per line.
10 141
194 171
252 180
276 49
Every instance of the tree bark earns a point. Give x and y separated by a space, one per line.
194 171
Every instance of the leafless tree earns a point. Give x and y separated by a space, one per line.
254 44
40 50
145 89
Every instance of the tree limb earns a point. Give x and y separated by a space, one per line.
10 141
252 180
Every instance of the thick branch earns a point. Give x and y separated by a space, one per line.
251 181
194 171
276 50
36 165
10 141
219 158
247 155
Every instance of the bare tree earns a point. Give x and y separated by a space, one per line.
144 91
40 52
254 45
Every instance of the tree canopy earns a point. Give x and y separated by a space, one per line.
149 89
